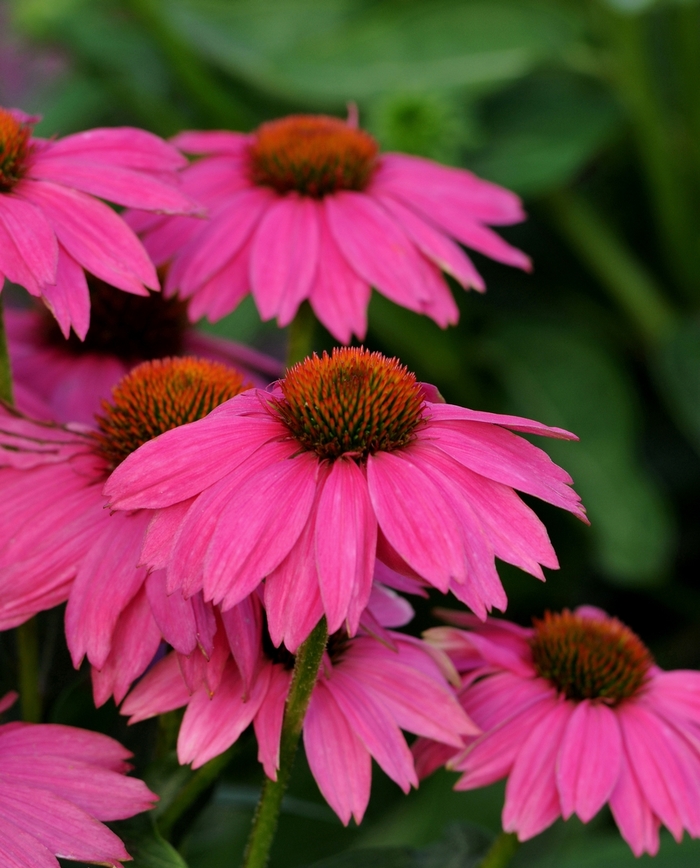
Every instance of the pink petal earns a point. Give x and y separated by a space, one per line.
633 814
21 850
69 300
32 236
244 628
376 247
173 614
29 740
589 760
211 142
268 720
346 540
338 296
123 146
416 518
453 413
225 290
211 725
94 235
284 257
162 689
433 244
337 758
532 800
161 533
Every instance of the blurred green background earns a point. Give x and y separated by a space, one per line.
589 110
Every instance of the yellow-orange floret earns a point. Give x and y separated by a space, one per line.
313 155
159 395
353 402
590 658
14 146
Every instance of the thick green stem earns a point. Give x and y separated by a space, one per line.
200 781
501 852
5 369
28 665
301 335
625 278
264 826
661 158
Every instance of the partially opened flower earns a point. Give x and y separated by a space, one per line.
575 714
72 377
53 229
307 208
58 541
367 692
347 459
57 785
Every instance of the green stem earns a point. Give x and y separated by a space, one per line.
28 665
637 80
632 287
264 826
5 369
501 851
301 335
200 781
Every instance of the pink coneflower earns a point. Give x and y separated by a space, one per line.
58 541
575 714
307 208
56 786
53 229
367 692
347 459
71 378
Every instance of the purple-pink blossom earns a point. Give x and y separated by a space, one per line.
306 207
346 463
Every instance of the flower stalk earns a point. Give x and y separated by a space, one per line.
501 851
306 666
301 335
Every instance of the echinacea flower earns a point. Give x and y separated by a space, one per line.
58 784
367 692
575 714
347 459
70 378
58 541
306 207
53 228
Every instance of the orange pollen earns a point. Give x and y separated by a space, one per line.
313 155
353 402
159 395
586 658
14 147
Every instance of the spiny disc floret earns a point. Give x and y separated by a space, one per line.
313 155
353 402
14 147
590 658
158 396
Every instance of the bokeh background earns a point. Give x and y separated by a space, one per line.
591 112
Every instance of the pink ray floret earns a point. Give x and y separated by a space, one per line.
575 715
346 463
58 542
367 692
306 208
53 226
58 785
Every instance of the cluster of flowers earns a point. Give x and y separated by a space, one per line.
247 507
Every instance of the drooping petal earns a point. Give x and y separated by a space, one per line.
69 299
268 720
589 760
162 689
634 817
123 146
32 237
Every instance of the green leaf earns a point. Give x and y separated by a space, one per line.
337 51
147 848
544 130
563 377
678 373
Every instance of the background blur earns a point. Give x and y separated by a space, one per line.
590 111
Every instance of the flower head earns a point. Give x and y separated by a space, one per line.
347 460
59 784
367 691
575 714
306 207
59 542
72 377
53 229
